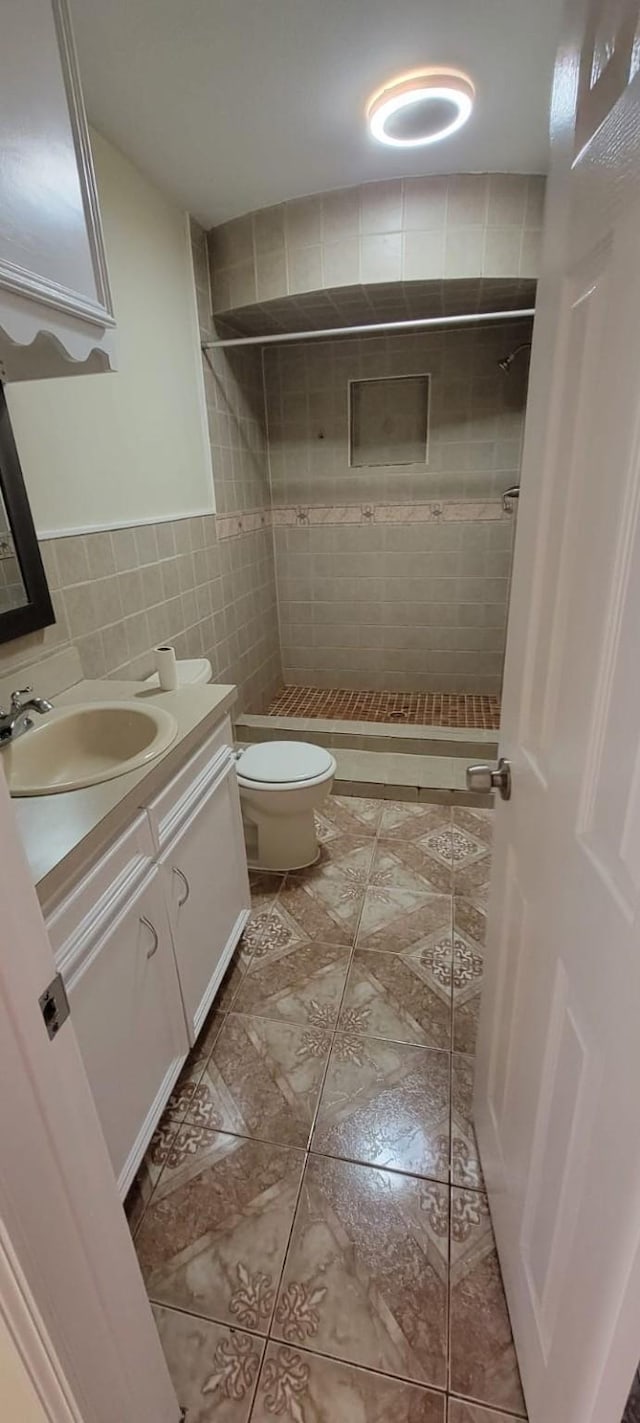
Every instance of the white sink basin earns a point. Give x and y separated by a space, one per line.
84 745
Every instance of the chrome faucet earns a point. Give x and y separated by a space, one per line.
17 719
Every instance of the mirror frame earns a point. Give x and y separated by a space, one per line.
37 611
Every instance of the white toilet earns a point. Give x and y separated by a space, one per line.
281 784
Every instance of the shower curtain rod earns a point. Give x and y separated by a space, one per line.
373 328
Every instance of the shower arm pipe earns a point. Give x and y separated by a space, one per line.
420 323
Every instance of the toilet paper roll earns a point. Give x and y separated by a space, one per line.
167 669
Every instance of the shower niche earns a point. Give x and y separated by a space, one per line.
389 421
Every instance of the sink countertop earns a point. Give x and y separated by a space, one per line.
60 832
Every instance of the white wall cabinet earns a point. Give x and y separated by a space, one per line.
144 938
54 287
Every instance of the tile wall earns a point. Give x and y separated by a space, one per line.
118 594
205 586
236 421
401 230
395 576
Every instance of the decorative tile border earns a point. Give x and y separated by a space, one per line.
435 512
247 521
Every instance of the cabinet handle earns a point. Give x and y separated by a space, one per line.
154 931
187 886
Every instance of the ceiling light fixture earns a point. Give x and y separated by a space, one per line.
419 108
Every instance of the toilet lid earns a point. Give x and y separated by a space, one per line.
280 761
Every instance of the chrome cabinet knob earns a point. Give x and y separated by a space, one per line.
482 778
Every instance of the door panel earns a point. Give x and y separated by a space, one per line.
559 1044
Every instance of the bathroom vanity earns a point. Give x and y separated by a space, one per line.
144 887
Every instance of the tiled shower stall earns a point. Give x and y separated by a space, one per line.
395 576
380 461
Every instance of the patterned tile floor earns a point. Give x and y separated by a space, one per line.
405 708
310 1219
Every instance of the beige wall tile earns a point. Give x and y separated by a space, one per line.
340 214
305 268
268 230
423 255
381 207
464 251
507 199
502 252
425 204
467 200
381 258
303 222
341 262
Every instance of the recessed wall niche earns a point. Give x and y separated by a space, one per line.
389 420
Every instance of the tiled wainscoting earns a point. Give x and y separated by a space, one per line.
310 1219
119 593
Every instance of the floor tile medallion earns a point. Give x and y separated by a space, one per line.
469 933
301 983
415 864
386 1104
483 1363
306 1388
365 1278
471 847
262 1080
325 903
213 1239
401 921
465 1160
400 997
214 1369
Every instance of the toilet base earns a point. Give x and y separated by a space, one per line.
280 842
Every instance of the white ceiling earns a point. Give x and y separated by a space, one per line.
235 104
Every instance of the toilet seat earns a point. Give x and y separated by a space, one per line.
284 765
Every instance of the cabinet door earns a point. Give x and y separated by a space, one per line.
206 872
127 1013
53 273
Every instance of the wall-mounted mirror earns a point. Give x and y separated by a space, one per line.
25 603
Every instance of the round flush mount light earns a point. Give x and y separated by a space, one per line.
420 108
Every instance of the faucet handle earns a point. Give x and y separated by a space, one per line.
16 697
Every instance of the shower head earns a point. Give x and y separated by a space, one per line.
507 361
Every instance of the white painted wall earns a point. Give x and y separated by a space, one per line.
132 445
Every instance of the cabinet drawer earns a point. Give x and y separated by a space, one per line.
175 803
96 900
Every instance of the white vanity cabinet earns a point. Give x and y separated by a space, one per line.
116 958
143 939
54 288
197 825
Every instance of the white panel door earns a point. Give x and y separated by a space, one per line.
206 874
559 1046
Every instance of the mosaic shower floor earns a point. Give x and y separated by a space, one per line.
406 708
310 1219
